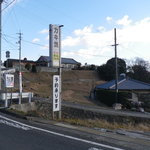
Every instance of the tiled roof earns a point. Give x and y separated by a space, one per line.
17 60
125 84
63 60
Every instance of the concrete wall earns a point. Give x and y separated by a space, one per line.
44 110
45 69
49 69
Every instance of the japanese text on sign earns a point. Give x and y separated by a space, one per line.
9 80
56 93
55 45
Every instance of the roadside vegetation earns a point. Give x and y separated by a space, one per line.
98 123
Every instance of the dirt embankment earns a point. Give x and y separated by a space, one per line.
76 84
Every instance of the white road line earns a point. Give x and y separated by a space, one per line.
62 135
93 148
12 124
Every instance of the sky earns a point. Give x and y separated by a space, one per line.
88 32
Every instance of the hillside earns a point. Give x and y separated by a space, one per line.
76 84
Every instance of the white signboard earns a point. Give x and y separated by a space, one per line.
9 80
55 45
56 93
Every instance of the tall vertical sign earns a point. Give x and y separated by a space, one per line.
55 61
56 93
54 35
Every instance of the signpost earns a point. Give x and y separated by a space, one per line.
9 83
55 61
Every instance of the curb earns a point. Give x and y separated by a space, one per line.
17 115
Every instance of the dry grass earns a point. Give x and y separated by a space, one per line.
107 125
76 84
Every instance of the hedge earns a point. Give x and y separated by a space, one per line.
108 97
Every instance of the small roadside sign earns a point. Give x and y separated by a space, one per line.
9 80
56 93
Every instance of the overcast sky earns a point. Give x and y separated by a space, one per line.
88 31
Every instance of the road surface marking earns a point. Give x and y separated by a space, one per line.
93 148
16 125
62 135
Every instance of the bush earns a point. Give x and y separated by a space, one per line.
28 66
34 69
108 97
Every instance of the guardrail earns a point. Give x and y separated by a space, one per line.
15 95
6 96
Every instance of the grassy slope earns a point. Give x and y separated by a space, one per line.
76 84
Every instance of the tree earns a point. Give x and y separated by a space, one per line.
107 71
28 66
121 64
92 67
139 70
34 69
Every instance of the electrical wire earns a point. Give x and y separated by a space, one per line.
11 44
42 45
37 44
9 5
90 54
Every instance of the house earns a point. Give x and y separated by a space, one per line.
14 63
125 84
67 63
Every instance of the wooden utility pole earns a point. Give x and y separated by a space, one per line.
20 73
0 44
116 64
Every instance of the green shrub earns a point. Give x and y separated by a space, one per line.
108 97
34 69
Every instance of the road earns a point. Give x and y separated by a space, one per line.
22 135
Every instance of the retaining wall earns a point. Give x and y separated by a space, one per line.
44 110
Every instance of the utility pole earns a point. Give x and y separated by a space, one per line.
116 65
1 44
60 73
20 73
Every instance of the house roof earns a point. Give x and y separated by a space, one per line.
63 60
17 60
125 84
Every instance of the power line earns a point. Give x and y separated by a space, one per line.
8 42
90 54
42 45
8 5
37 44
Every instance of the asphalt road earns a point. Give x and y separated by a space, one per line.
15 135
